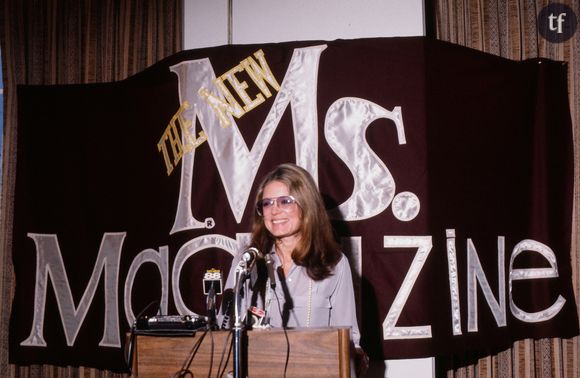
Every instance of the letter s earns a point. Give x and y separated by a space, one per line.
347 120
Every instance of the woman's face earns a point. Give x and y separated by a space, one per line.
281 223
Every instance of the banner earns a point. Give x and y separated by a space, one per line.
447 173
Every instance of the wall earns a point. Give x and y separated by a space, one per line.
261 21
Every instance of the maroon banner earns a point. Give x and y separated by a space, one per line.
447 172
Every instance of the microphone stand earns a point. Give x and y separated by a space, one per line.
210 308
241 274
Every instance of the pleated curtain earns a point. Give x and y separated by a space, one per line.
70 42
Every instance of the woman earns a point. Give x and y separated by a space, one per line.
313 285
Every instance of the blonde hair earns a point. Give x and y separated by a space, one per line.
317 249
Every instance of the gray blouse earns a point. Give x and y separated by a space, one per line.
299 301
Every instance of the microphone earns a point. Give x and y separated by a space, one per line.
250 256
210 306
270 269
212 278
212 286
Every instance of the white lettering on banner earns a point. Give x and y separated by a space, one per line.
348 119
161 261
453 283
475 274
49 263
534 273
237 165
423 245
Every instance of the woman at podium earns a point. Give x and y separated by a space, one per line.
301 278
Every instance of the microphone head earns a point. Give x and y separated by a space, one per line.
268 259
212 279
250 256
270 270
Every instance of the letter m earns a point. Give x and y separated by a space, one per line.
236 162
49 264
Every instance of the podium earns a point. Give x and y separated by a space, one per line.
310 352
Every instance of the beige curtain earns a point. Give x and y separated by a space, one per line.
70 42
508 28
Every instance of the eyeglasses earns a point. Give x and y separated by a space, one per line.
284 203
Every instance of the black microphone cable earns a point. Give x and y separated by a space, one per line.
128 355
286 361
184 371
227 343
211 355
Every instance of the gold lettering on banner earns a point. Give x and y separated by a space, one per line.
260 74
180 141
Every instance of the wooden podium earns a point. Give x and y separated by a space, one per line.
312 352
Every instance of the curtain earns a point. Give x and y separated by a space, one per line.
70 42
510 28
